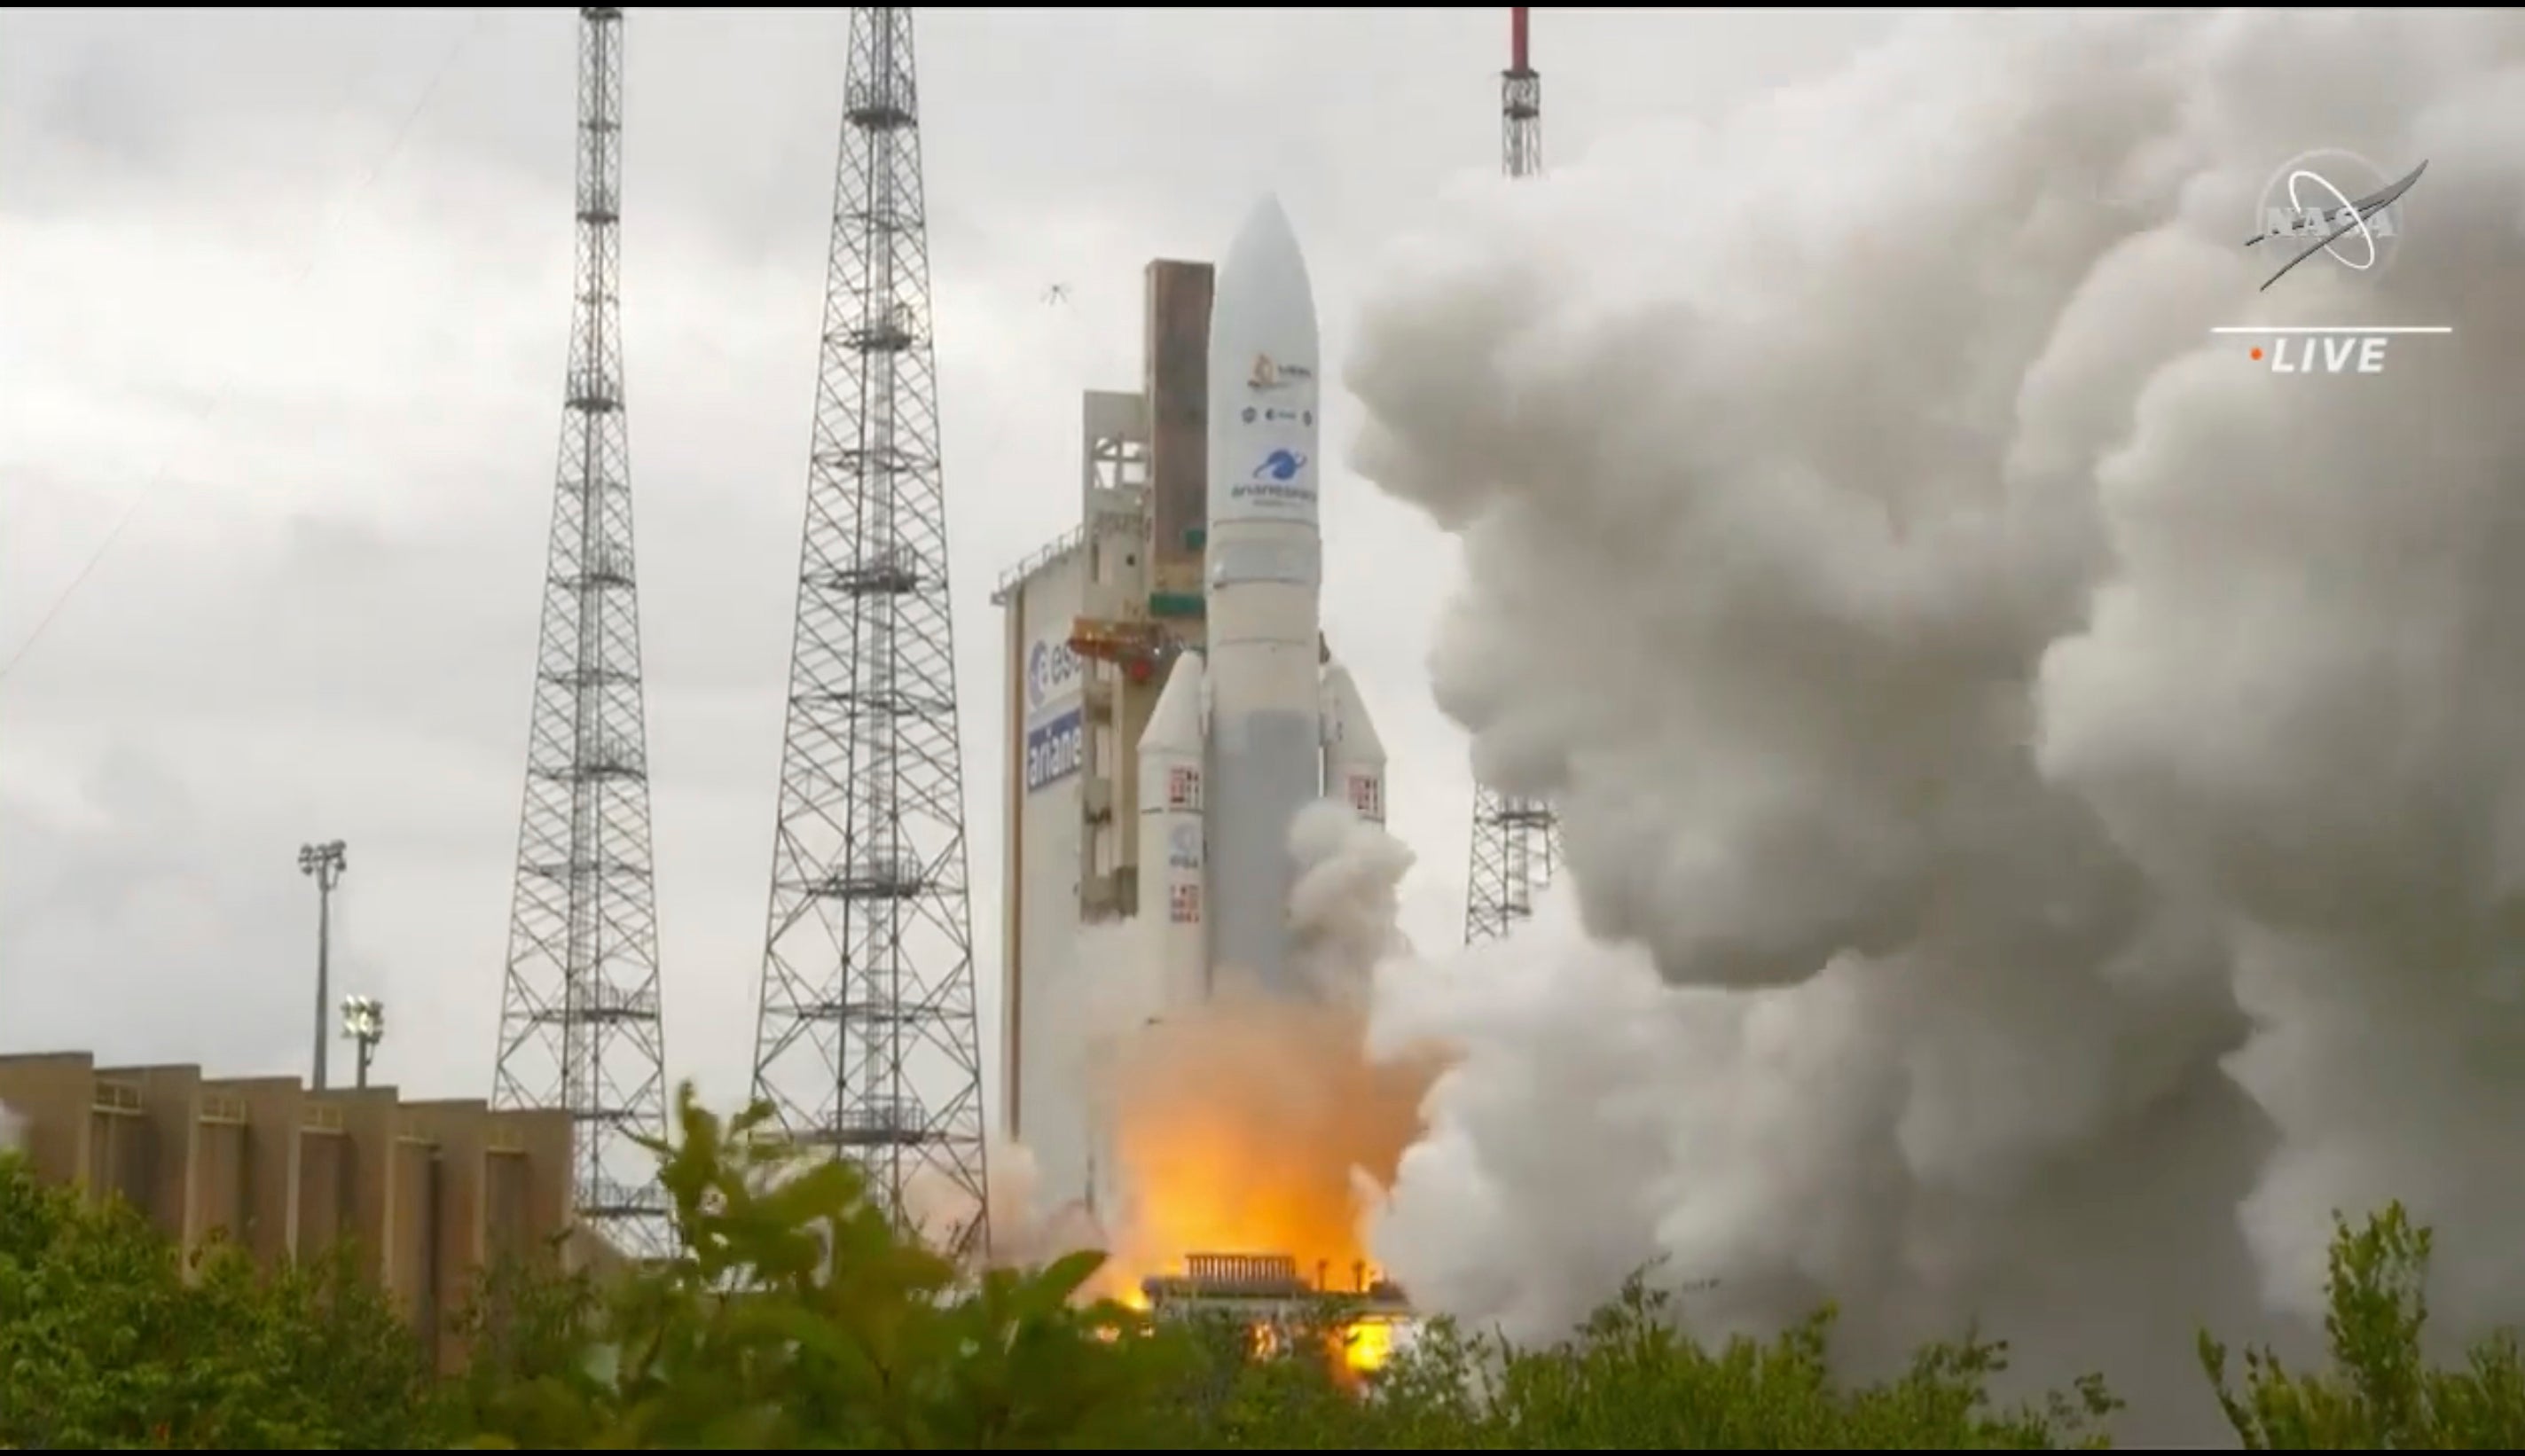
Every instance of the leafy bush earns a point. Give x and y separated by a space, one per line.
2379 1394
796 1319
105 1343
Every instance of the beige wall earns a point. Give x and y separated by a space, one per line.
427 1192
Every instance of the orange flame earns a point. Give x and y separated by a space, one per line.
1255 1125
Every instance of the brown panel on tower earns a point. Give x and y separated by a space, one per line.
1177 364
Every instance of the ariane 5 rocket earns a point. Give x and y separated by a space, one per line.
1263 723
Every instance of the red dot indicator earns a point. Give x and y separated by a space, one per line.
2257 351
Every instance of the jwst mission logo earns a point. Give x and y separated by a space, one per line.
1269 377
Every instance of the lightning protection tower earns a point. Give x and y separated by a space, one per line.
579 1023
866 1043
1517 838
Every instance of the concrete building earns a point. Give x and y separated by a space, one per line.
427 1192
1093 619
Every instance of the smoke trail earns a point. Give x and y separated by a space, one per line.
2042 789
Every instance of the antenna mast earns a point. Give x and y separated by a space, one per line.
1520 105
866 1041
1517 839
580 1021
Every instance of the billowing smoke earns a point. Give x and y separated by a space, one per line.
2045 792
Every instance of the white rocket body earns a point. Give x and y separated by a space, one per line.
1240 743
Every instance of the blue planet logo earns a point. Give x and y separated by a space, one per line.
1281 466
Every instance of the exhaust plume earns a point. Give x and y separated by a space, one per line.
2041 790
1251 1123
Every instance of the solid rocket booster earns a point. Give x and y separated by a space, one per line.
1171 833
1239 741
1353 755
1264 576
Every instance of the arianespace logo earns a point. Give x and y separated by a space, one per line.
1279 478
1055 750
1052 669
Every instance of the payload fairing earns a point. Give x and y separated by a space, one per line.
1267 724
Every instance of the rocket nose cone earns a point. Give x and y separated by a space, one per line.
1267 243
1268 221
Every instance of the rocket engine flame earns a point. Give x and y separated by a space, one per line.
1252 1124
1256 1120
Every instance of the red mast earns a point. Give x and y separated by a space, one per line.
1520 105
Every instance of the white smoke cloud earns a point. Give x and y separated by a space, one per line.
2043 789
1346 901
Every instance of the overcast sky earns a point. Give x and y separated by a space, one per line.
294 283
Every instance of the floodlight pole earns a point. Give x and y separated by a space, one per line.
325 863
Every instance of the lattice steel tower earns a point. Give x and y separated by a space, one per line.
1517 839
579 1023
866 1043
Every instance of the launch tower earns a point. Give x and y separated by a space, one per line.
579 1020
1517 838
866 1043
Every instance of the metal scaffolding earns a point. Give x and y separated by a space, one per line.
580 1027
866 1041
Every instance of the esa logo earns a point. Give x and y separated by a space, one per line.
1052 669
1277 414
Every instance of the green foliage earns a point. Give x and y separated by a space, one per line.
1629 1380
795 1317
105 1343
1626 1381
2379 1394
